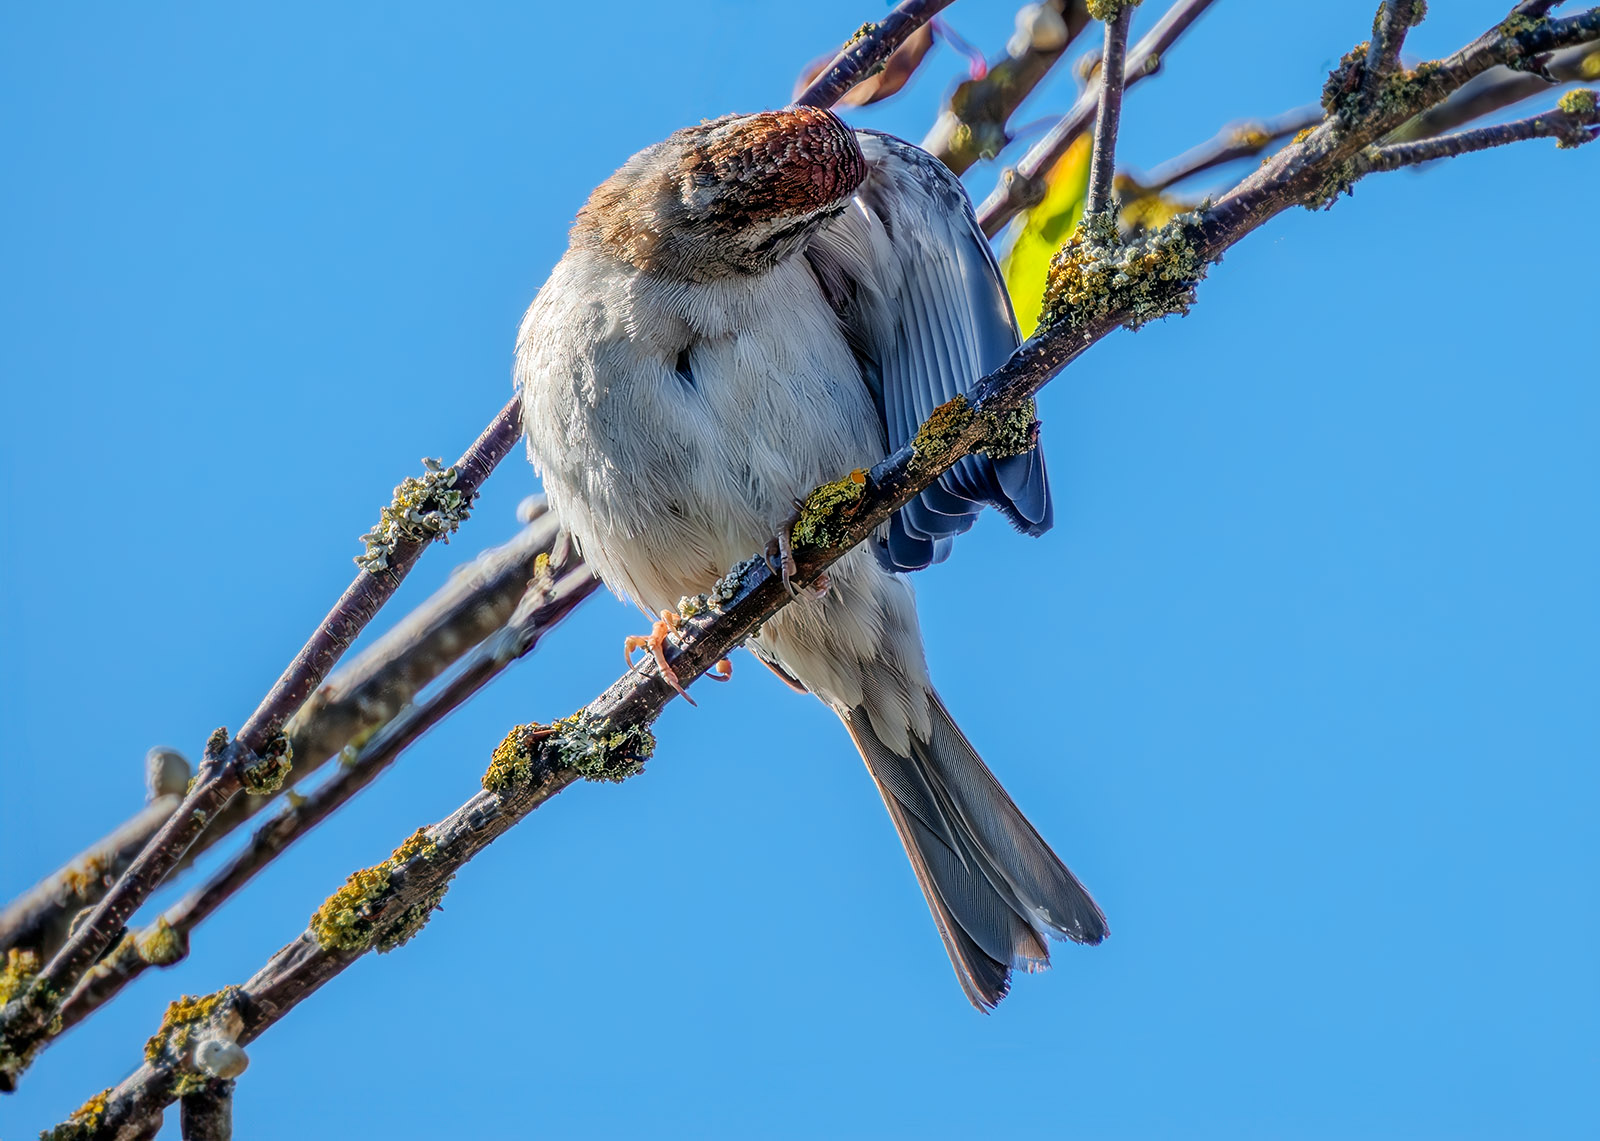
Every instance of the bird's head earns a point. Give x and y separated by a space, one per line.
731 196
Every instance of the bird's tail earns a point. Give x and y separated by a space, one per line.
994 886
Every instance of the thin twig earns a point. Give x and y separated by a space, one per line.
1499 88
1571 128
547 601
1108 114
1395 18
534 764
25 1020
973 123
1022 186
1236 141
868 49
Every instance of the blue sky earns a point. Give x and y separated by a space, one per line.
1302 684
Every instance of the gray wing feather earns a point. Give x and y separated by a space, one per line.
930 310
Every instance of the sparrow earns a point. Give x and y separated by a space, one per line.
753 307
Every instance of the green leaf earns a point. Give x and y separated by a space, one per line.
1037 235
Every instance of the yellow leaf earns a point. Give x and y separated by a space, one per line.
1037 235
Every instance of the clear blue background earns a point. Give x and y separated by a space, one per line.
1302 684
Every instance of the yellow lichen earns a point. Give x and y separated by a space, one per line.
348 919
824 517
939 433
183 1016
84 1122
1107 10
1579 101
160 945
266 776
1011 433
511 763
21 966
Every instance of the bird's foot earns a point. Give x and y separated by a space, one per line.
780 557
656 642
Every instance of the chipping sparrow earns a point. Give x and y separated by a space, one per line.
755 306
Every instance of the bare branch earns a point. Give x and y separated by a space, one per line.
1022 186
867 50
972 125
26 1019
207 1113
550 597
1108 113
1571 124
1236 141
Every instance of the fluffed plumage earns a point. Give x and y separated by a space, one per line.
753 307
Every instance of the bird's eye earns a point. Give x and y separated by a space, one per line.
685 373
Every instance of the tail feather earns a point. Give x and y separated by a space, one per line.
994 886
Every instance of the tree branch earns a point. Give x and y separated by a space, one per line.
359 698
1395 18
26 1019
1108 113
1501 87
867 50
38 921
207 1113
1022 186
1236 141
556 590
1571 124
972 125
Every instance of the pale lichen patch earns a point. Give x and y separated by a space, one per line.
422 509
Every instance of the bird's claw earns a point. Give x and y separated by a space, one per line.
781 548
656 643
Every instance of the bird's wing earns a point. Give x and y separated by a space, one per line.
918 291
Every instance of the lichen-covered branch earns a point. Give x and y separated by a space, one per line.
553 592
1098 284
362 696
1108 112
1314 170
1571 123
257 756
972 126
1500 87
868 50
1395 18
38 920
1022 186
